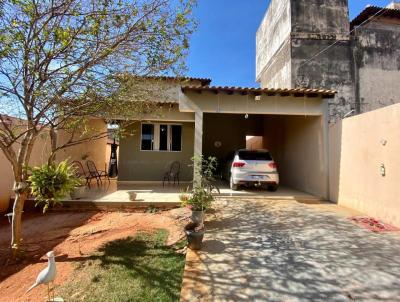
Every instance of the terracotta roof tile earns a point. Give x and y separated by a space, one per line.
204 81
371 11
259 91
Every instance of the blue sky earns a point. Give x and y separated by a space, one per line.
223 48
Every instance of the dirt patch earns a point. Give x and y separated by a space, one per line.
73 237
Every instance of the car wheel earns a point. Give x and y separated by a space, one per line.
272 188
232 185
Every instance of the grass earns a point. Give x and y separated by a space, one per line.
141 268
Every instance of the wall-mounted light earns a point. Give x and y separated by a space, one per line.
217 144
383 170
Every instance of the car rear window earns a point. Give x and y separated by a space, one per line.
254 155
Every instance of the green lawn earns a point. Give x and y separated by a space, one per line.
142 268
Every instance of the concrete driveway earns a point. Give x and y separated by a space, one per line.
270 250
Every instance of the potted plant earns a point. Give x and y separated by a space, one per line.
78 192
195 234
132 195
199 199
52 182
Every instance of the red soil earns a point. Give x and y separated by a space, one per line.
73 237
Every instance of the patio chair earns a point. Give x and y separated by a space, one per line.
172 173
80 172
94 173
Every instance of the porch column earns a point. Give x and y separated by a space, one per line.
198 142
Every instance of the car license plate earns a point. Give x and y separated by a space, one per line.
258 177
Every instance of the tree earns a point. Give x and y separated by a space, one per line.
64 60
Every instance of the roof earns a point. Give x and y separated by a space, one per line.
371 11
297 92
204 81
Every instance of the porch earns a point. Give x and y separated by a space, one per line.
116 195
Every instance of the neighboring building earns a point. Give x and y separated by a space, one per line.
311 43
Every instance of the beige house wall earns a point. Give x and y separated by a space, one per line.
225 133
297 145
40 154
91 150
254 142
209 102
304 163
359 147
150 166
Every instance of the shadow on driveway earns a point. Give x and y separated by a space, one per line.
288 251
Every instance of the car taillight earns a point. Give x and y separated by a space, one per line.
272 165
238 165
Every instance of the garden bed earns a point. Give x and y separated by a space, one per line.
131 252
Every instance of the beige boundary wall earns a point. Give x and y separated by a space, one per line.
40 154
362 149
94 150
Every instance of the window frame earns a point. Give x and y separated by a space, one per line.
156 137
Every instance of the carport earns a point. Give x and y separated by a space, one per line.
291 123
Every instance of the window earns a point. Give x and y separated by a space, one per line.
147 136
176 139
161 137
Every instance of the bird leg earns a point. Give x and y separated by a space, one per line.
48 291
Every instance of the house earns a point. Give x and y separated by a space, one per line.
296 114
214 121
305 51
312 43
293 109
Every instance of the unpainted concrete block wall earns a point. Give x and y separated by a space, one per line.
377 57
314 25
272 40
319 52
320 16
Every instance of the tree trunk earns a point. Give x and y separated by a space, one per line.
21 194
53 141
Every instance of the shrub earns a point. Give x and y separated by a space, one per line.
201 196
51 182
199 200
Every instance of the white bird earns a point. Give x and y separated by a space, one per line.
47 275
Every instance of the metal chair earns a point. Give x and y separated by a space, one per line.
80 172
94 173
173 173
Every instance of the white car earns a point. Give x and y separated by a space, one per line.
253 167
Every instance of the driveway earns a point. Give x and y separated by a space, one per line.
271 250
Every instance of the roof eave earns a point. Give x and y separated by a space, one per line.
295 92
